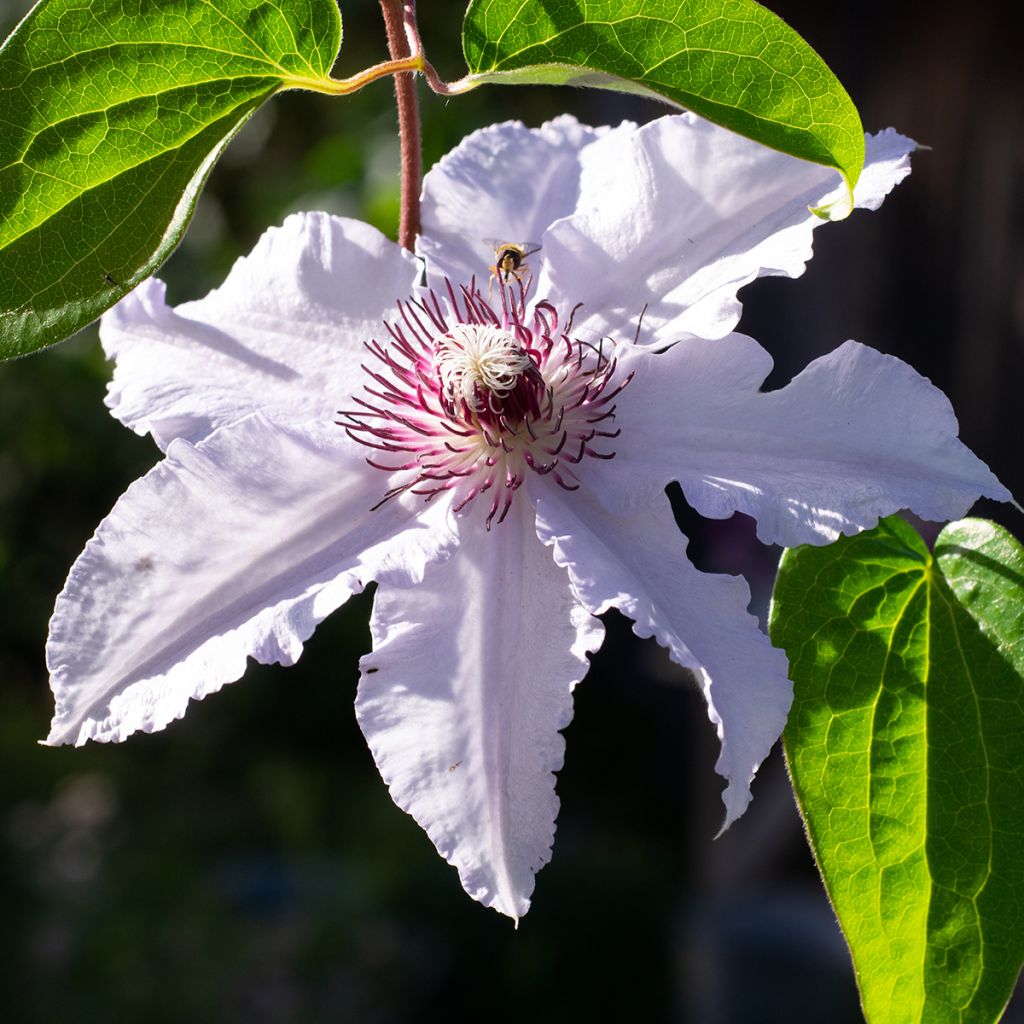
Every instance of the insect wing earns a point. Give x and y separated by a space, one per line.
525 248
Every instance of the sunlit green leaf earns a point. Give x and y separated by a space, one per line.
112 113
906 751
731 61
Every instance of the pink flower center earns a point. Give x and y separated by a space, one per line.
469 402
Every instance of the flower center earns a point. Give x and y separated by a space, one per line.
478 365
469 407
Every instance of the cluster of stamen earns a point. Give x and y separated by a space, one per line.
466 400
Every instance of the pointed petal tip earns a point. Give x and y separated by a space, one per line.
736 797
505 896
514 908
64 732
75 732
886 164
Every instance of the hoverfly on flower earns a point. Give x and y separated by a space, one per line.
510 260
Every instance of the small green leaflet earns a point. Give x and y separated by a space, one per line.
731 61
906 750
112 113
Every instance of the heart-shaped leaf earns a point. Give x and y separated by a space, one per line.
112 113
906 750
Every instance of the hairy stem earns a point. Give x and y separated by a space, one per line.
397 15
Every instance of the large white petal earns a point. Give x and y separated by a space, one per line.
857 435
234 548
470 679
283 335
507 182
638 564
680 214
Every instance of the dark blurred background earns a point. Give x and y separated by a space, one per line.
247 865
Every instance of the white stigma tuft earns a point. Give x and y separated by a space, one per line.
477 360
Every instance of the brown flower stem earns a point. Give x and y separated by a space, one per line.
397 15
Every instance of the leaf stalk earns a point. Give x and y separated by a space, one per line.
346 86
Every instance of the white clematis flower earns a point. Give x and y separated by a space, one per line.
496 463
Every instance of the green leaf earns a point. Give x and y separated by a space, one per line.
731 61
906 751
112 113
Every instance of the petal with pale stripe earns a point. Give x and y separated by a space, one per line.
231 549
638 564
856 436
506 182
283 335
463 697
676 217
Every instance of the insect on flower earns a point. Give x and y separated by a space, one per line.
510 260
